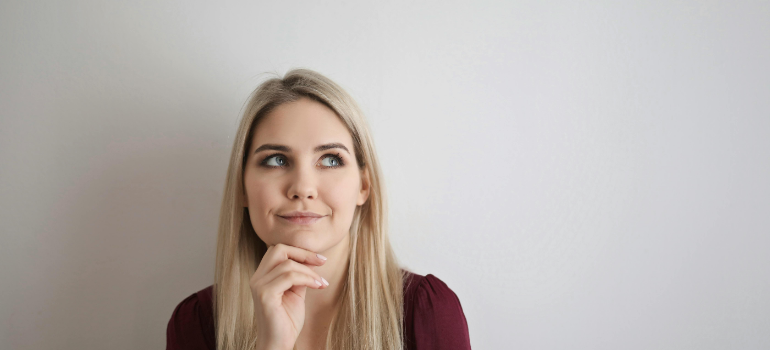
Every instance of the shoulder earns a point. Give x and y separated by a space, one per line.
192 323
415 284
419 289
433 315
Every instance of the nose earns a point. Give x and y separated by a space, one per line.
303 183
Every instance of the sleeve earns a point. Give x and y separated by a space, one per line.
439 321
184 330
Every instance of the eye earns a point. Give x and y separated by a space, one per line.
274 161
332 161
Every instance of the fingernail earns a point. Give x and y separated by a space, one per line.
325 282
321 256
318 283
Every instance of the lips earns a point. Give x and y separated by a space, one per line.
301 217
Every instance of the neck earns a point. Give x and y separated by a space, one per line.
320 304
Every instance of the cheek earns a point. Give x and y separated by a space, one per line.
261 201
261 195
341 194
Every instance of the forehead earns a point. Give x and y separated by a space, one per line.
302 125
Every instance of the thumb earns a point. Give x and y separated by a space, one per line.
300 290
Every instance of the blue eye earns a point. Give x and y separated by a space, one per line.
274 161
335 161
279 161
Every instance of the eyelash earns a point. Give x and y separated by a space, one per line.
337 156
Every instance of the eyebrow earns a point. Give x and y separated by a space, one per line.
287 149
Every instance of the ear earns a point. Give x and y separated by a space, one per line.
366 182
244 200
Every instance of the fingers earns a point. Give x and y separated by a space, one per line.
273 291
290 266
290 280
280 252
283 268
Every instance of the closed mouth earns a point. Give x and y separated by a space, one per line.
301 220
301 214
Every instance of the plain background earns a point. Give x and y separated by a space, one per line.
584 175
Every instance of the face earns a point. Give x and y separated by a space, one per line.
301 159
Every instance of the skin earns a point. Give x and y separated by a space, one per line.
301 179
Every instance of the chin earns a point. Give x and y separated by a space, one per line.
304 239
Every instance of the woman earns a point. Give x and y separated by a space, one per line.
303 257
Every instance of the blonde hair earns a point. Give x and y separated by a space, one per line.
370 312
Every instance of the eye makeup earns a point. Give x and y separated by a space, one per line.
264 161
337 157
274 155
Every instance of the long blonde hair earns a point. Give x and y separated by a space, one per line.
370 312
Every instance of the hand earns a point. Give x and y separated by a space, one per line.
278 288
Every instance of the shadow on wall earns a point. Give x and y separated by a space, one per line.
133 231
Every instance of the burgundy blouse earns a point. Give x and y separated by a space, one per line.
433 318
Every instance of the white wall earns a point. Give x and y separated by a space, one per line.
583 175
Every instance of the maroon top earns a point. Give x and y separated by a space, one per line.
433 318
